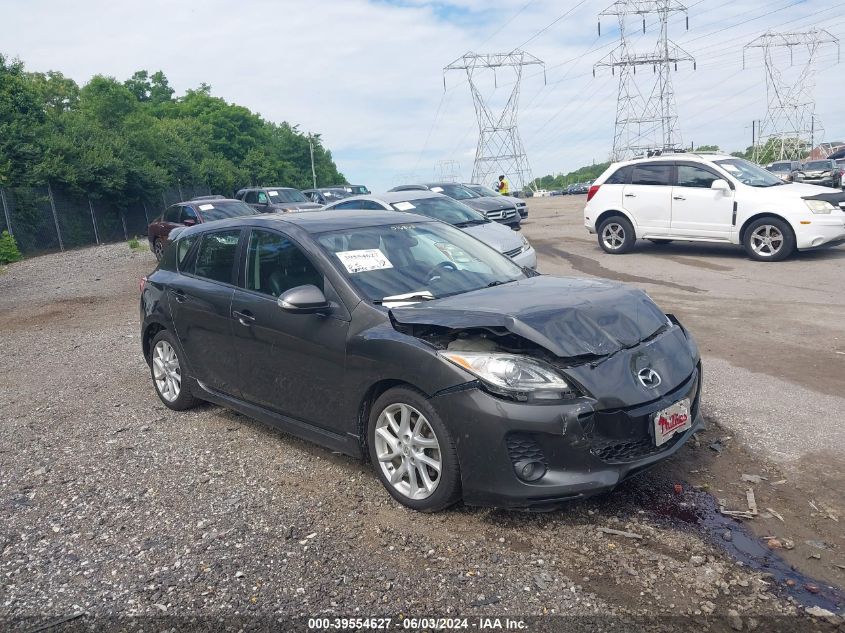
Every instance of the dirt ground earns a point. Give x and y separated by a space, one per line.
112 505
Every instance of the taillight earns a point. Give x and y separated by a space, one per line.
141 285
594 189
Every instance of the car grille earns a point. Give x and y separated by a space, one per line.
514 252
523 448
625 435
501 214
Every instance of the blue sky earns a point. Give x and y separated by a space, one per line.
367 74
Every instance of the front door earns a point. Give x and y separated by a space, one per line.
698 210
290 363
200 300
649 197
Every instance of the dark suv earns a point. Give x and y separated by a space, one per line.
820 172
276 199
196 211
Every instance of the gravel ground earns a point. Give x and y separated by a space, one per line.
113 505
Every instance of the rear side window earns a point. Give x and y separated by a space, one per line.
215 258
653 174
621 176
689 176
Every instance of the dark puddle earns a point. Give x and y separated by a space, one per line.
700 511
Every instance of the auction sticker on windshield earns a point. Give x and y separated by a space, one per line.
206 207
403 206
364 260
672 420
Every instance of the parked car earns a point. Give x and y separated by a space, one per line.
820 172
392 337
276 199
784 169
841 164
495 208
579 188
354 190
326 195
487 192
711 198
196 211
441 207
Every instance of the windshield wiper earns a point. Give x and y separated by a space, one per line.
498 282
409 297
470 223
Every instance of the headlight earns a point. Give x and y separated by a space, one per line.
525 244
519 377
819 206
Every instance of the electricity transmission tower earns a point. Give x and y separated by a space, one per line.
447 171
790 127
500 149
646 116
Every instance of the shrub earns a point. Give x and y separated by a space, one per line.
8 249
134 244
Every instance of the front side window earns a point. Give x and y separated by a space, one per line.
215 259
690 176
188 214
275 265
426 260
748 173
262 197
251 197
654 174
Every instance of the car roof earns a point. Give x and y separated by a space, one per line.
314 221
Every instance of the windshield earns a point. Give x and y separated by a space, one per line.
748 173
458 192
483 191
286 195
425 260
220 209
357 190
817 165
443 209
780 167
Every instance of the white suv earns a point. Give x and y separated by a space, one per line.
711 198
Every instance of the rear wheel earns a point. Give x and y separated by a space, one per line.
413 452
616 235
168 375
769 240
158 249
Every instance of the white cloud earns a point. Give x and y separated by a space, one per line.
368 75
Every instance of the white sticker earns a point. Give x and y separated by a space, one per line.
403 206
363 261
273 193
437 189
206 207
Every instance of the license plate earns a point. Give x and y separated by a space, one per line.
671 420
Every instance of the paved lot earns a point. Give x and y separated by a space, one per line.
112 504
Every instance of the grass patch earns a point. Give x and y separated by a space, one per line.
134 244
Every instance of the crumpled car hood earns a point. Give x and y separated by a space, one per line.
569 317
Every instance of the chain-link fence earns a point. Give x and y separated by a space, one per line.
54 218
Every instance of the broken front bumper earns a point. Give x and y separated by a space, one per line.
584 451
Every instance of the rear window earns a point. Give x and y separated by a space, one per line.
221 209
653 174
621 176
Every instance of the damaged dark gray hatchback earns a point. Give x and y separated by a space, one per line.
392 337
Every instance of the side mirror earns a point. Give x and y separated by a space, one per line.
307 299
721 186
189 222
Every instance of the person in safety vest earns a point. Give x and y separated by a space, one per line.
503 187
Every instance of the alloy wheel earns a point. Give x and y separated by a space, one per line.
158 248
408 451
166 371
613 236
766 240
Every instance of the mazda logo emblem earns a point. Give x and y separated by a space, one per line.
649 378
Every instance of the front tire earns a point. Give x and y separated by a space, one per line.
166 367
413 451
616 235
769 240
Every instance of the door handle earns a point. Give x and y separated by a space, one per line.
630 195
678 198
179 295
244 318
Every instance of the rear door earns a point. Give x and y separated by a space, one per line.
648 198
200 300
292 364
698 210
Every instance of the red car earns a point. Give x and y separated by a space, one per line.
197 211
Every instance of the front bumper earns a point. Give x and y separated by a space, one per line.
527 258
585 451
822 231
